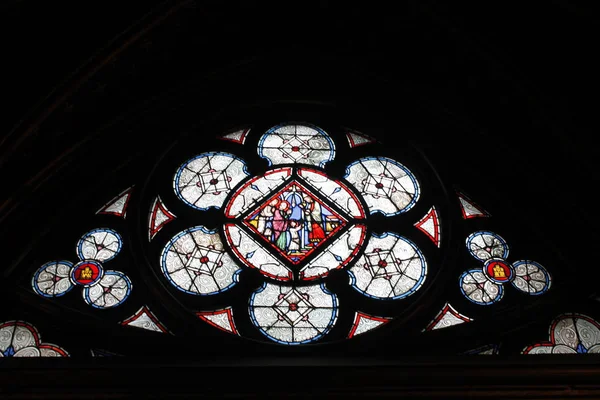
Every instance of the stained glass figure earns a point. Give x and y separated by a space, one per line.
337 255
100 244
430 226
111 291
286 220
364 322
294 222
117 205
469 208
255 190
333 190
570 334
484 245
238 136
447 317
255 255
205 181
21 339
392 267
476 287
52 279
293 315
387 186
487 350
531 277
86 273
158 218
356 139
145 319
195 262
221 319
293 143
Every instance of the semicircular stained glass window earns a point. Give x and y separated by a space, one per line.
289 234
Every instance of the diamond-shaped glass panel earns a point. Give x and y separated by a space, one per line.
294 222
295 148
215 181
383 264
293 307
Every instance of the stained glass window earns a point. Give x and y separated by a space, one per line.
221 319
204 181
469 208
118 205
392 267
100 288
158 218
364 323
195 262
311 246
358 139
386 185
485 286
145 319
237 136
21 339
295 143
447 317
570 334
293 315
430 226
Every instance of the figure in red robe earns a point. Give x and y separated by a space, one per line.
314 219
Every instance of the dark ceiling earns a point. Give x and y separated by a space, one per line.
506 84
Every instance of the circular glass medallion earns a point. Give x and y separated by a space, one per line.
87 272
484 245
476 287
195 262
100 244
52 279
497 270
531 277
110 291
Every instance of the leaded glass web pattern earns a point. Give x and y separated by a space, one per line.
295 224
392 267
204 181
387 186
195 262
296 143
293 315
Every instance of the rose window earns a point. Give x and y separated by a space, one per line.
293 224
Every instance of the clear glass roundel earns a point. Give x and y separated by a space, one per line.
294 224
